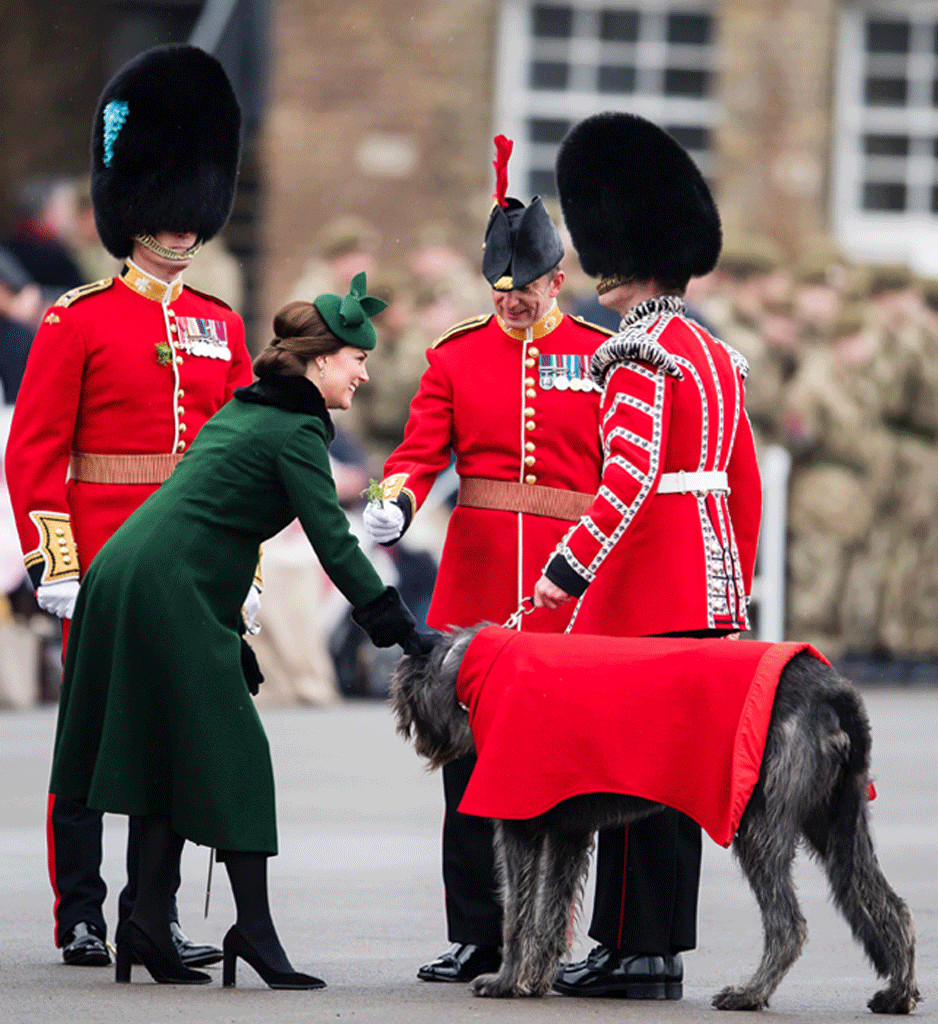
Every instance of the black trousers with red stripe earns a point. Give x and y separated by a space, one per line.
473 911
74 837
647 878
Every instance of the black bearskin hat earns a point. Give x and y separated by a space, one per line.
635 203
165 146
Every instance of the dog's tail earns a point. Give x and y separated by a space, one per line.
880 920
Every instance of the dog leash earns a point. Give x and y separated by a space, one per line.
524 608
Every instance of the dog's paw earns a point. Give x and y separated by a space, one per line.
738 999
493 986
888 1000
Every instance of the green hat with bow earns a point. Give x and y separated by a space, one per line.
349 318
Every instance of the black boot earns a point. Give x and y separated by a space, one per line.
146 936
253 936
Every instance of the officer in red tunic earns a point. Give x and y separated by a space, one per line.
668 545
121 376
510 397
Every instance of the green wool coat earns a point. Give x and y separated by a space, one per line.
155 716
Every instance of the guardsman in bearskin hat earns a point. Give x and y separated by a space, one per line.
511 397
668 546
121 376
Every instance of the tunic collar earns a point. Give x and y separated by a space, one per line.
550 321
294 394
148 286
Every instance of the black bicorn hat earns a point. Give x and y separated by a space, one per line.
165 147
635 203
521 242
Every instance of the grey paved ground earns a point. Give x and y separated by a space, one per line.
357 896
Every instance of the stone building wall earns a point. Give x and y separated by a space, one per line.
382 109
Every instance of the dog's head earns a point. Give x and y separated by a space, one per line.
423 695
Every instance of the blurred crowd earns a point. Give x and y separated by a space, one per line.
844 375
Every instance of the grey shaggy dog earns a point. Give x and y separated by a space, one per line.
812 788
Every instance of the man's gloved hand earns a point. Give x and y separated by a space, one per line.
384 522
58 598
250 608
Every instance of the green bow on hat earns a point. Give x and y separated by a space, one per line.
349 318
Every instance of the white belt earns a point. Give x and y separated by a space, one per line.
681 482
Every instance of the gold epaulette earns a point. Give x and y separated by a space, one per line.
463 326
592 326
83 291
57 552
207 295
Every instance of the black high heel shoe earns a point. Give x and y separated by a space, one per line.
236 945
133 941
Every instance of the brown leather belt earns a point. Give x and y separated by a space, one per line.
121 469
533 499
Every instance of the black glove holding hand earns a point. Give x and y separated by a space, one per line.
388 621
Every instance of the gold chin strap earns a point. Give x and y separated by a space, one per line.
606 284
168 254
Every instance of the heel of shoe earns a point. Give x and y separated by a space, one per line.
229 963
236 945
123 957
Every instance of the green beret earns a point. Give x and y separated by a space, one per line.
349 318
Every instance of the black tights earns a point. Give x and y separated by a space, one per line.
248 875
157 877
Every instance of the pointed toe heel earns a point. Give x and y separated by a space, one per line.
133 942
236 945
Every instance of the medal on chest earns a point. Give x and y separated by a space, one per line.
565 373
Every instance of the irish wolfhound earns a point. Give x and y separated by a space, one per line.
812 787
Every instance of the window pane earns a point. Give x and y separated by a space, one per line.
885 196
685 82
616 78
552 22
547 130
692 29
887 36
886 145
546 74
692 137
886 92
618 26
541 183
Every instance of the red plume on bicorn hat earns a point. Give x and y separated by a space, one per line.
521 242
635 203
165 146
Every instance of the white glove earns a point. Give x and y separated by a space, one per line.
250 608
58 598
384 523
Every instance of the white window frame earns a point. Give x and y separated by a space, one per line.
911 236
516 101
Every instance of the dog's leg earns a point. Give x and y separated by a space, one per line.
565 867
766 857
880 920
518 856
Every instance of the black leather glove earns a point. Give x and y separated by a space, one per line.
387 620
250 667
420 643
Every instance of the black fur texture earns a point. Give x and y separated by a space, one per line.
812 789
174 162
635 203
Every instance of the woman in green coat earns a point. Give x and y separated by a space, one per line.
155 718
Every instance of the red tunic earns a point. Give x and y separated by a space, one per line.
504 402
662 563
562 716
112 371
